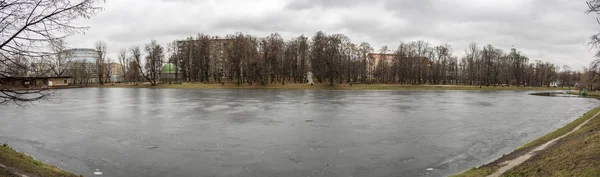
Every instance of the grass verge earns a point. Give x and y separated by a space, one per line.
534 169
24 164
592 94
327 87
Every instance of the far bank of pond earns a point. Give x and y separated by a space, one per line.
294 86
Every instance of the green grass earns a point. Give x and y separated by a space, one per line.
293 86
476 172
25 164
593 94
534 168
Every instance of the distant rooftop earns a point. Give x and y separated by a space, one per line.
81 49
210 39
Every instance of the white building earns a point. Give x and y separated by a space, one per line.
81 55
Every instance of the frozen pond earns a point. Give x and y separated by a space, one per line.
263 133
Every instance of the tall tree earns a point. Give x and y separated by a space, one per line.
135 65
317 55
364 49
80 72
136 60
333 56
204 54
241 58
273 55
566 76
123 60
101 64
594 7
382 65
59 59
303 58
472 55
154 59
236 56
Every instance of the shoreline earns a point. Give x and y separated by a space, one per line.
14 163
513 162
294 86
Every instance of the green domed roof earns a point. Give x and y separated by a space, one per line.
169 68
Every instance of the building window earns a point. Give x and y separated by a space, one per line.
65 81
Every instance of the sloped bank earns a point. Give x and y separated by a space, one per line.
572 155
13 163
297 86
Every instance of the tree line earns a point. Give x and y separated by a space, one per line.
334 59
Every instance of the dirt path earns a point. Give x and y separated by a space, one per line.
519 160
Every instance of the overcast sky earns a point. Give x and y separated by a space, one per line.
547 30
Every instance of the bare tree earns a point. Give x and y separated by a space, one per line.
589 79
136 61
124 62
108 70
241 58
59 59
382 65
101 62
273 55
80 72
594 7
18 66
566 76
363 51
26 27
237 52
154 61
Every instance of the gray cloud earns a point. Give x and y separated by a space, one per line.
308 4
547 30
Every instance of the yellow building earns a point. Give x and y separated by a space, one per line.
57 81
115 71
35 82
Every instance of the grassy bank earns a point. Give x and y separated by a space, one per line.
327 87
593 94
575 155
24 164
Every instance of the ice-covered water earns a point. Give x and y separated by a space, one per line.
171 132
